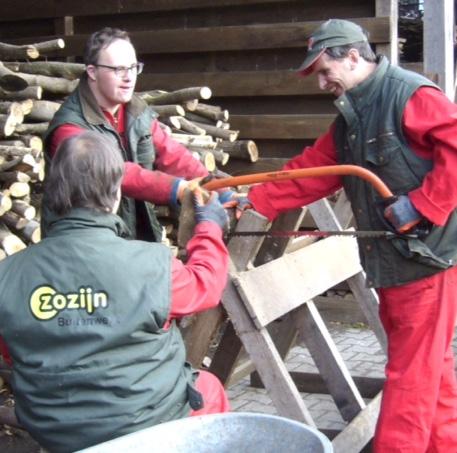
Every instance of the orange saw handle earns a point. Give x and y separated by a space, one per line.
339 170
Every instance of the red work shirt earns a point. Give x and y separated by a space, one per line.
172 160
430 127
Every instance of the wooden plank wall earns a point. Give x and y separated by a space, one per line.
244 50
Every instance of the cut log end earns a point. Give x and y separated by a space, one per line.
32 52
19 189
205 93
32 232
11 244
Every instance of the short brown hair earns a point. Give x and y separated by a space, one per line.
101 39
85 173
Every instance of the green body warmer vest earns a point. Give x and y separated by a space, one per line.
369 133
83 314
82 110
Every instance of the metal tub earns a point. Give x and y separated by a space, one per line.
221 433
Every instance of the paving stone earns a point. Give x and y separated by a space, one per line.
362 355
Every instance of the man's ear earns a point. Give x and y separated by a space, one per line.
90 69
354 58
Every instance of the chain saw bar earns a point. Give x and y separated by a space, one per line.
329 170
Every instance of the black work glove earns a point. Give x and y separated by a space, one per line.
211 211
402 214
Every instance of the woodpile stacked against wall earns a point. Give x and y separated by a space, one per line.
31 93
23 119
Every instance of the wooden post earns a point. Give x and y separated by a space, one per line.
389 8
439 44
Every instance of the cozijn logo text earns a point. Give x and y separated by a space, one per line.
46 302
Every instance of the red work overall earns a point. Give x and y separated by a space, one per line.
419 405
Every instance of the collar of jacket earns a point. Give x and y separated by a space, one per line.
365 92
85 219
92 111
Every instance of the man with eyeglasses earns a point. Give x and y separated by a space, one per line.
157 168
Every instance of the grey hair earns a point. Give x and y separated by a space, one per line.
86 172
364 48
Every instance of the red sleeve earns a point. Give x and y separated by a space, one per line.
138 183
174 158
198 284
270 199
5 353
430 126
60 134
147 185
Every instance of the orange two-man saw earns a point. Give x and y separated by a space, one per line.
339 170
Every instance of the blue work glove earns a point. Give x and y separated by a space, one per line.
211 211
242 203
227 198
176 189
402 214
232 199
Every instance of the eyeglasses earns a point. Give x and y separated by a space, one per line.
122 71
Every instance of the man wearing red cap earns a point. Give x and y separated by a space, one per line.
400 126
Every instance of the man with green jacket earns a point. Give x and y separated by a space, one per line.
89 317
399 125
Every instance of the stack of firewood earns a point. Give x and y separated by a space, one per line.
30 94
204 129
24 117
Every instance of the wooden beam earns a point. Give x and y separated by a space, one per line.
261 349
12 10
218 39
439 44
235 83
359 432
305 273
389 10
314 333
369 387
281 126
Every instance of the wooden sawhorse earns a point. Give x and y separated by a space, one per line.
282 288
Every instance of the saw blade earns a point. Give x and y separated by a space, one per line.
319 233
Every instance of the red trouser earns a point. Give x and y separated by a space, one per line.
214 396
419 403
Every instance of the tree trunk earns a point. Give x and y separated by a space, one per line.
206 158
169 110
31 92
177 96
32 128
225 134
241 149
23 209
212 112
13 220
10 81
13 52
32 232
9 177
70 71
9 242
5 203
19 189
43 111
55 85
16 151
